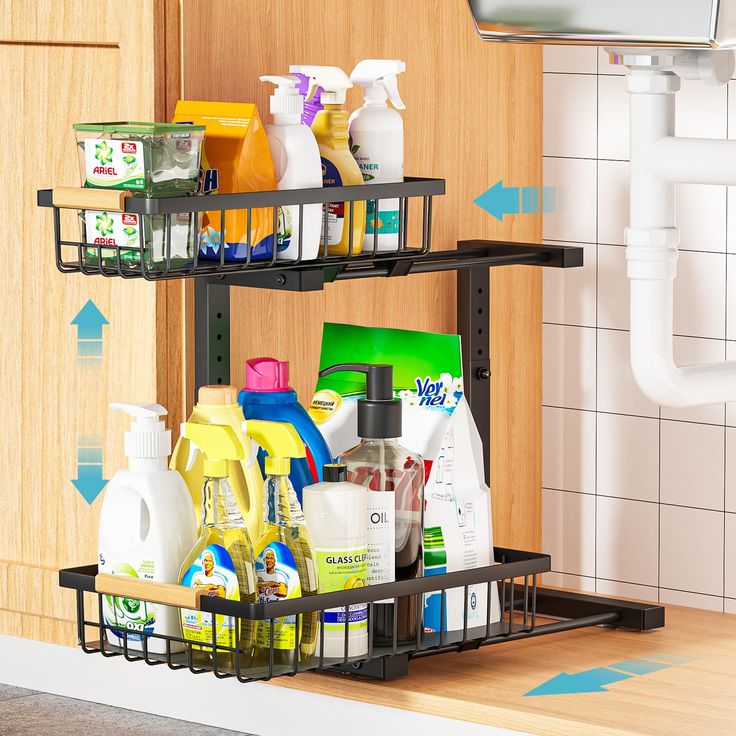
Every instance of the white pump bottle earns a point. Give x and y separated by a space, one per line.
147 527
297 164
377 133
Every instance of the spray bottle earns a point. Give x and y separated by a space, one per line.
221 562
147 525
377 143
297 165
285 558
394 477
345 222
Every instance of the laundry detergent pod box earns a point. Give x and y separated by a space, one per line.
236 158
147 159
437 425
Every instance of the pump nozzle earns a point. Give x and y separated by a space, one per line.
286 99
378 79
219 444
332 79
148 438
379 413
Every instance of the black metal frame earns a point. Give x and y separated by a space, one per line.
513 579
471 260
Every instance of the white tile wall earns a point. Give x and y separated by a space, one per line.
639 500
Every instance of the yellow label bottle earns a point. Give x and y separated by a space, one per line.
345 221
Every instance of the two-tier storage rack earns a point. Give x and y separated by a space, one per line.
511 584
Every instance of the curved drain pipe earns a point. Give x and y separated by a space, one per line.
659 160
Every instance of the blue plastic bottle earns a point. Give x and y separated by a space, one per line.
267 395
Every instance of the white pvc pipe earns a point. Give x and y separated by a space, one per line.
652 240
693 160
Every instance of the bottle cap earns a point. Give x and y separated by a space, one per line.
278 465
379 413
267 374
334 473
217 395
148 437
215 468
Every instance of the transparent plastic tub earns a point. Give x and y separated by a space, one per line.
147 159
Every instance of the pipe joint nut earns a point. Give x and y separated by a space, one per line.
660 237
653 83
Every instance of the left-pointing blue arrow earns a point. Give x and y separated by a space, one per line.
89 481
499 201
89 322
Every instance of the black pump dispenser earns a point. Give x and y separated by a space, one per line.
379 413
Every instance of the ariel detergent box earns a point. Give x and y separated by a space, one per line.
236 158
438 425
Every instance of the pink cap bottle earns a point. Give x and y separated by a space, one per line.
267 374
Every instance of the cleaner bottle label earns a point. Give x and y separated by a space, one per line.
343 569
213 571
114 163
136 617
335 210
381 560
277 580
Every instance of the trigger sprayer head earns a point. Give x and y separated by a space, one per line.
332 79
378 79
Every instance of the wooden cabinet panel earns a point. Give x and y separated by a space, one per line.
473 117
60 67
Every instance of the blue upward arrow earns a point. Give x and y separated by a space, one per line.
89 322
590 681
499 201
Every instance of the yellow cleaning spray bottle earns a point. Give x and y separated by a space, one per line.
221 562
339 168
219 405
285 560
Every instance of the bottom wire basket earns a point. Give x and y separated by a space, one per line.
413 618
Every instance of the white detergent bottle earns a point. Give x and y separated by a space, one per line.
297 164
377 143
147 527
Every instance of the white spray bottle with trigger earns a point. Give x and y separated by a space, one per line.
377 143
297 164
147 526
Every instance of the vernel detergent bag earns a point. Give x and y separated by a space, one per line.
235 158
438 425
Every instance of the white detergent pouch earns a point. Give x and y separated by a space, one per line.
437 425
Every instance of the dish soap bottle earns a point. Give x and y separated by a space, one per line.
394 477
377 143
147 525
268 396
221 562
337 518
219 405
339 168
297 164
285 563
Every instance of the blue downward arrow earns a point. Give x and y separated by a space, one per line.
89 322
590 681
89 481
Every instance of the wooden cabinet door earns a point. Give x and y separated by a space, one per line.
63 61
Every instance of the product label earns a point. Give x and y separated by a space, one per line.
112 229
213 571
277 580
136 617
335 210
381 562
324 405
343 569
114 164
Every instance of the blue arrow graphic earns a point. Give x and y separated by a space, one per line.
500 200
590 681
89 481
89 322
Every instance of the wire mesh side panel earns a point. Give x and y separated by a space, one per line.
319 638
184 244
